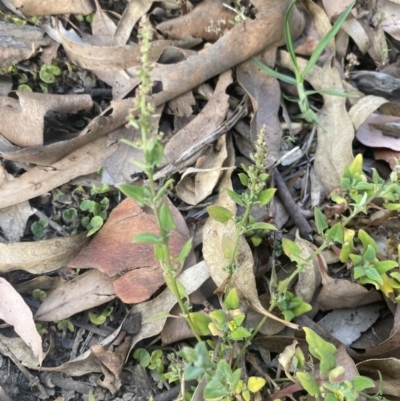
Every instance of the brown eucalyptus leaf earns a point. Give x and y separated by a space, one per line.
13 219
113 253
40 257
265 94
19 43
86 291
309 278
23 114
14 311
32 8
209 21
40 180
334 148
199 182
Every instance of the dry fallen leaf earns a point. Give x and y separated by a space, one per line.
14 311
113 253
40 257
31 8
13 219
86 291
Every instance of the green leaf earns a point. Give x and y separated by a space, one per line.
323 43
336 233
235 197
374 275
219 213
96 223
244 179
328 360
289 41
320 221
134 192
96 318
148 238
385 265
255 240
262 226
332 93
156 154
181 289
239 333
255 384
201 323
360 383
314 342
369 254
308 383
228 247
232 300
166 219
367 240
143 356
275 74
265 196
392 206
185 251
87 205
290 247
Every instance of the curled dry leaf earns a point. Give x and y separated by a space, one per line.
265 95
23 114
86 291
364 108
339 293
40 257
113 253
335 138
112 363
40 180
309 279
209 21
31 8
13 219
19 42
198 183
243 278
14 311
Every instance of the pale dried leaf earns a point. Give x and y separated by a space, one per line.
286 357
364 108
14 311
40 180
334 149
23 114
44 283
334 8
21 350
40 257
309 278
196 184
387 15
86 291
31 8
13 219
356 31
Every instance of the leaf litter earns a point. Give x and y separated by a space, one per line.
69 127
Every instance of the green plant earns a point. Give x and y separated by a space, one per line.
97 318
153 361
65 325
39 294
300 76
41 329
38 229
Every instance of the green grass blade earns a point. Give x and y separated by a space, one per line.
275 74
326 39
333 93
288 38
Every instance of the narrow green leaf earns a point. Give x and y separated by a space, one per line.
220 213
333 93
262 226
275 74
308 383
323 43
147 238
166 219
160 315
244 179
133 191
265 196
185 251
289 41
235 197
320 221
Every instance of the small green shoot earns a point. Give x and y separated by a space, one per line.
38 229
300 76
